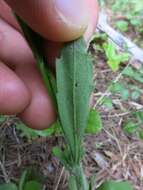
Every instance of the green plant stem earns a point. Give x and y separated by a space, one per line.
79 178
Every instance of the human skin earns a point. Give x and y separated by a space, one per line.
22 91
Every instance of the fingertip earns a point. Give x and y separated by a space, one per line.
93 9
59 20
40 114
14 96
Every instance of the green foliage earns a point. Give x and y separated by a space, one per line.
131 10
114 59
99 38
9 186
135 95
72 183
130 127
30 178
2 118
63 156
31 133
94 125
126 91
70 93
112 185
141 134
120 88
33 185
74 85
133 74
139 116
134 126
107 102
122 25
28 181
97 42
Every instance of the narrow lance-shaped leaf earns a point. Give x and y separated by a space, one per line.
35 41
74 85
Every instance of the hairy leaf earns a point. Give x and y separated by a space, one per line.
74 85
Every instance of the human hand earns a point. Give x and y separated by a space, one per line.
22 91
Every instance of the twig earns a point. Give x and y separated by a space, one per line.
4 172
114 137
123 42
118 115
137 105
59 179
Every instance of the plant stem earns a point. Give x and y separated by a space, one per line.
80 178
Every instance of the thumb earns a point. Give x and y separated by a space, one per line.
56 20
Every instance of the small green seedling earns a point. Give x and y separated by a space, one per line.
122 25
114 59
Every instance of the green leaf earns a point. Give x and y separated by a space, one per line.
133 74
114 59
62 156
120 89
92 182
2 118
26 131
141 134
74 86
9 186
107 102
23 179
139 115
130 127
28 175
58 153
135 95
117 87
31 133
112 185
33 185
53 129
122 25
135 22
125 94
94 125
